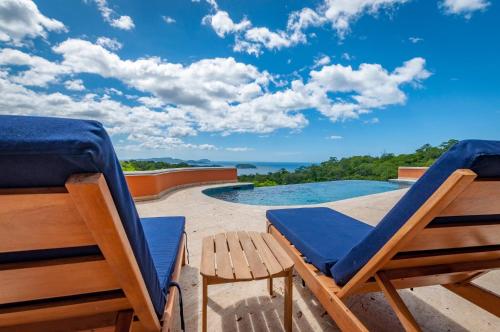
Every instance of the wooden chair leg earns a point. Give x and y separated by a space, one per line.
481 297
204 305
409 323
270 286
184 256
124 321
288 301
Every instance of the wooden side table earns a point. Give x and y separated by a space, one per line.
245 256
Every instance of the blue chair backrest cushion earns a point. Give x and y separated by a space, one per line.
45 152
483 157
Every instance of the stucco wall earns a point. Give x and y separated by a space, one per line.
411 172
153 184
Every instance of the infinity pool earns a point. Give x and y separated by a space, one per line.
301 194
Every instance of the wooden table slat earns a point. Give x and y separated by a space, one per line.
207 267
240 265
278 252
272 264
258 268
224 269
241 256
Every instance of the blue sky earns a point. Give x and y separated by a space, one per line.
257 80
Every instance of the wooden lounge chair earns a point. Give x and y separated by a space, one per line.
74 254
444 231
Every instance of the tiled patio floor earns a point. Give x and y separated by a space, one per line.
247 307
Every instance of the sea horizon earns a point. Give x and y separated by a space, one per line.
263 167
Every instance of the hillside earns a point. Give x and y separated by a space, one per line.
381 168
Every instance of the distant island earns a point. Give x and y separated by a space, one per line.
162 163
170 160
245 166
379 168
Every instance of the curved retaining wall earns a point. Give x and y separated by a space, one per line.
146 185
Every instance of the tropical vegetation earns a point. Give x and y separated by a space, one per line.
383 167
149 165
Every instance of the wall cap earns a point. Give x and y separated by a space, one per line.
413 167
176 170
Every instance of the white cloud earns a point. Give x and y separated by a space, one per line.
464 7
75 85
321 61
168 19
415 40
144 128
109 15
347 56
239 149
217 95
151 102
223 24
335 137
40 72
340 14
109 43
369 87
21 19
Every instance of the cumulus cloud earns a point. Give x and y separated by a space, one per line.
335 137
369 87
123 22
21 19
321 61
223 24
342 13
75 85
168 19
219 95
339 14
415 40
464 7
40 72
109 43
143 128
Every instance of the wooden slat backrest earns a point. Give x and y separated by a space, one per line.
422 244
92 198
480 198
20 282
456 183
40 219
80 214
47 218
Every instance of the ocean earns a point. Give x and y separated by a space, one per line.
263 167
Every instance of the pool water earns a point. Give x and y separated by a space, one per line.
301 194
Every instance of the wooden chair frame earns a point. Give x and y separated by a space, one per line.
78 292
422 254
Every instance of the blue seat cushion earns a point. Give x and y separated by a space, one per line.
322 235
45 152
163 236
483 157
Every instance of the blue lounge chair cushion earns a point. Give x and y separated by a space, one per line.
322 235
44 152
164 235
483 157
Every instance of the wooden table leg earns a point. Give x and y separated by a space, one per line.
288 302
270 286
204 305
